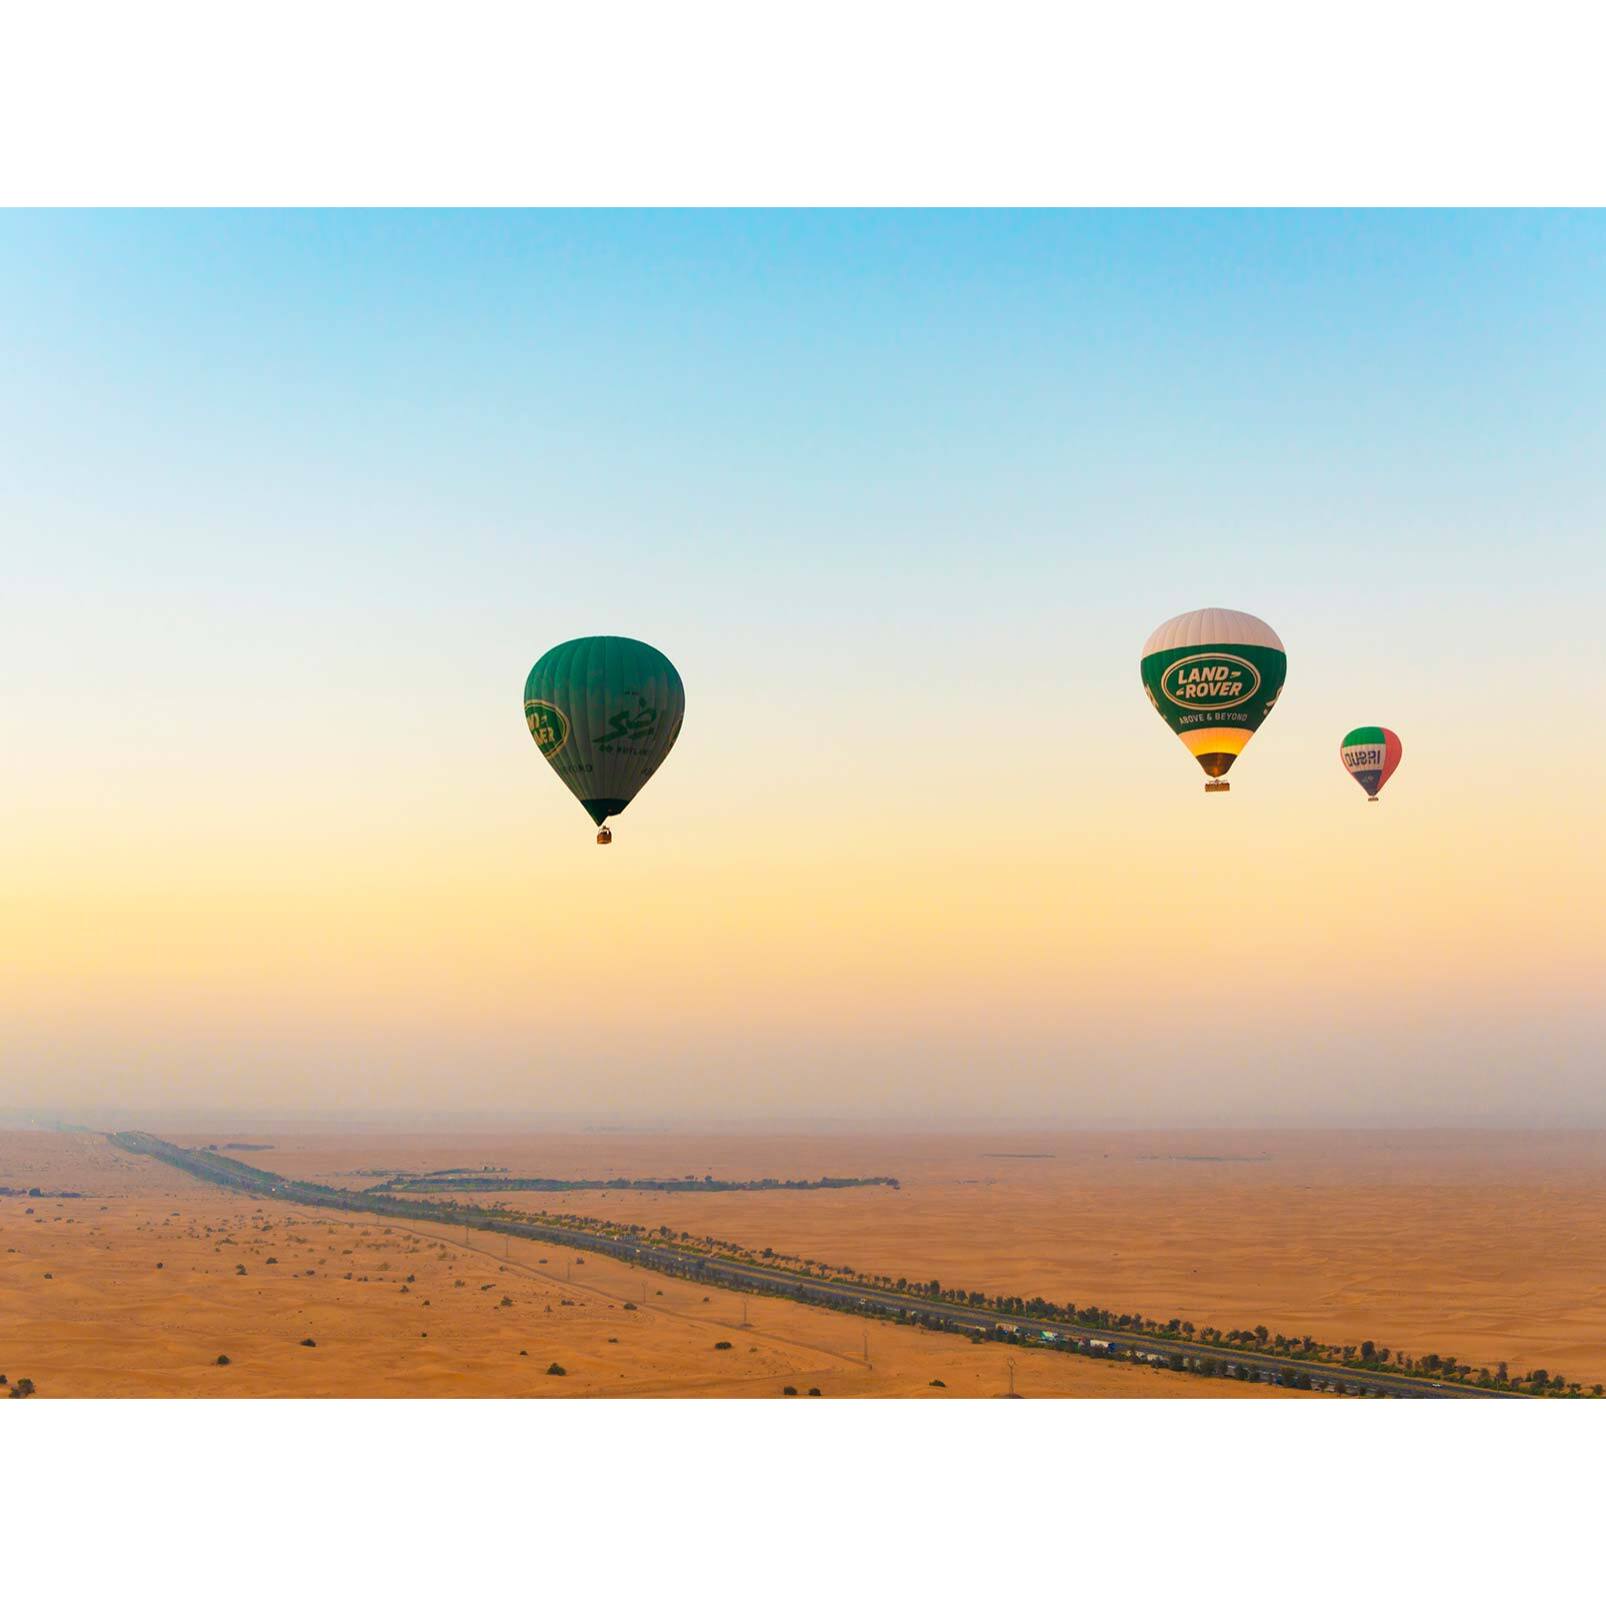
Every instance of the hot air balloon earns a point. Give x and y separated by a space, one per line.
1371 753
604 710
1213 675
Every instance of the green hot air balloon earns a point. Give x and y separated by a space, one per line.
1213 675
604 710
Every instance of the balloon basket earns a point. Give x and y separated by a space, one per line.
1371 800
604 837
1218 786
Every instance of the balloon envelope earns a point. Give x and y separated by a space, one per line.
604 710
1371 753
1213 675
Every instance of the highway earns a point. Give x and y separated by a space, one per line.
865 1300
857 1298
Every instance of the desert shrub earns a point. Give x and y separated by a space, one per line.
554 1370
936 1383
628 1305
23 1388
309 1343
506 1300
222 1360
273 1260
724 1343
788 1389
815 1393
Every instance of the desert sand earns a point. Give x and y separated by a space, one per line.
138 1287
1476 1245
1480 1245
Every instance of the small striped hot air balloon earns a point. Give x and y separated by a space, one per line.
1213 676
1371 753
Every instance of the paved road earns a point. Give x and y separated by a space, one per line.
857 1298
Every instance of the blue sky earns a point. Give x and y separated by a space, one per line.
779 390
291 502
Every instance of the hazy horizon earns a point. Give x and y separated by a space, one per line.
293 501
488 1123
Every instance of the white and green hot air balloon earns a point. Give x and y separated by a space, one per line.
1213 675
604 711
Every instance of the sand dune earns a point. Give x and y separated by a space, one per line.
1479 1245
153 1276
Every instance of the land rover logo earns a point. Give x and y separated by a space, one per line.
547 725
1210 680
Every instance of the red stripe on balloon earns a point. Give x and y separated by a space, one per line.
1392 751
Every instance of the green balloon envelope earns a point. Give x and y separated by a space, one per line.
1213 676
605 711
